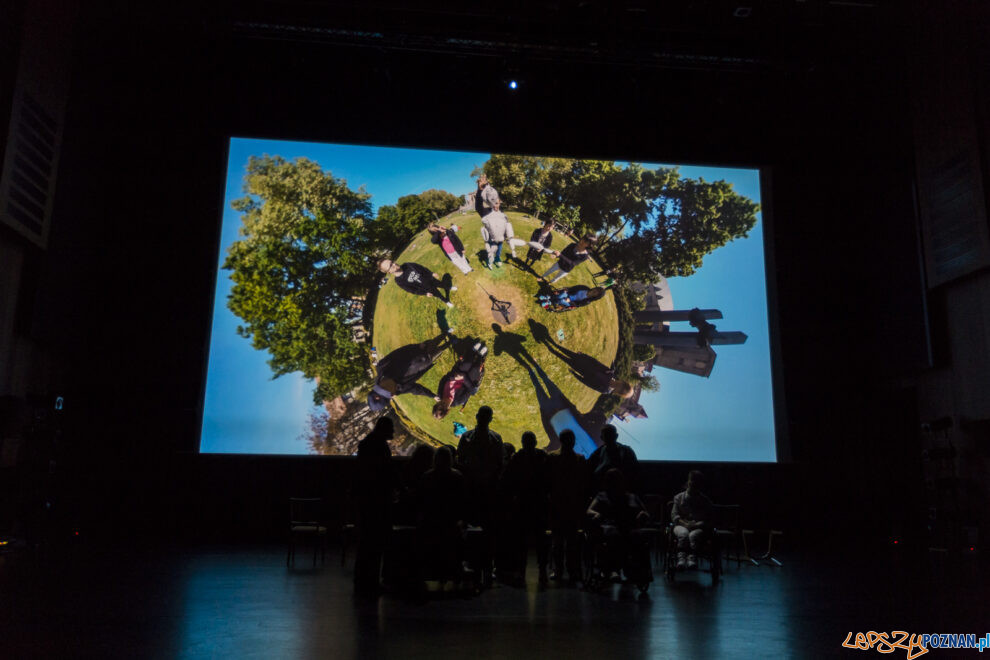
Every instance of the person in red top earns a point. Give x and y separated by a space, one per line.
462 381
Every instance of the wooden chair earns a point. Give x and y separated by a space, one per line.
305 514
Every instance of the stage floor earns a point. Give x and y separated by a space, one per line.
242 602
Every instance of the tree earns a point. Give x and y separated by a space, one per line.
317 434
302 254
659 222
524 182
649 383
644 352
395 225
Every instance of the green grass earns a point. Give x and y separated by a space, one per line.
402 318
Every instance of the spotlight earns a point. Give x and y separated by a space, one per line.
513 84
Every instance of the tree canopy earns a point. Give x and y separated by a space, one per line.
307 244
302 253
659 222
396 224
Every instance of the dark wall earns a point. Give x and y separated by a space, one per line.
127 298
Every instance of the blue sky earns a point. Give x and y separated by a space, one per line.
728 417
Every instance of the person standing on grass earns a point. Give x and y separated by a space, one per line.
417 280
486 198
542 236
568 258
495 230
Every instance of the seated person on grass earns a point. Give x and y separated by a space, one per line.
572 297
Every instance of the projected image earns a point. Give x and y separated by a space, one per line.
356 282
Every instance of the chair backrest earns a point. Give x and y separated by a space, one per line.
305 510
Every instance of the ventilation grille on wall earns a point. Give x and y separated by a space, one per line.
29 168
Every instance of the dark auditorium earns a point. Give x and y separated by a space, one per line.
566 328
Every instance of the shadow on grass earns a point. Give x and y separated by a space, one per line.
589 371
520 265
549 396
442 321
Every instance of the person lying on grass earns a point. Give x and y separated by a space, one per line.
398 371
462 381
451 245
417 280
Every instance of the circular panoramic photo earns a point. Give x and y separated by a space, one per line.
357 282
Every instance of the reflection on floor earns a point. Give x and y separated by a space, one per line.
243 603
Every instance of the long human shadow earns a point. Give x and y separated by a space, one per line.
589 371
549 397
511 344
519 264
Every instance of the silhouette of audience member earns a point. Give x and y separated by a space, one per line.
691 516
479 455
525 482
374 484
442 517
398 371
615 515
508 451
613 454
418 280
479 451
568 480
410 501
462 381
